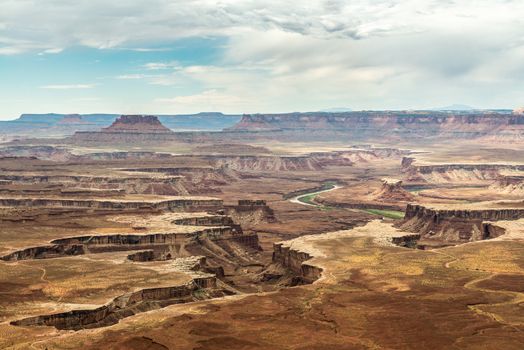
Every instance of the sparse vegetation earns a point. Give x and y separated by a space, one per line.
392 214
310 198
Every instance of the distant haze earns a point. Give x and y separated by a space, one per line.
184 56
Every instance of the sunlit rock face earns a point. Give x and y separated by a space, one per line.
391 124
138 124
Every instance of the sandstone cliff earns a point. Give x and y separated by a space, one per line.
457 173
456 225
127 305
371 124
392 191
513 185
146 124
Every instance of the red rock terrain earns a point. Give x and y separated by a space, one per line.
147 124
400 124
392 190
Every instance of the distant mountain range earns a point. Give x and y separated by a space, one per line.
54 124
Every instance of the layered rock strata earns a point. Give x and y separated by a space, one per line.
140 124
120 242
457 173
513 185
127 305
294 260
376 124
176 203
392 190
456 226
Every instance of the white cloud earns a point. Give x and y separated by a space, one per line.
130 23
283 55
209 100
146 49
53 51
161 65
135 76
68 86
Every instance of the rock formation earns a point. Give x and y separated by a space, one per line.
392 191
199 288
142 124
440 226
456 173
127 128
378 124
509 184
174 203
40 152
294 261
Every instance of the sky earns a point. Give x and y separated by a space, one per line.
188 56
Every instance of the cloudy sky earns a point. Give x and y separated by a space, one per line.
183 56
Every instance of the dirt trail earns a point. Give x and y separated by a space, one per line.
516 297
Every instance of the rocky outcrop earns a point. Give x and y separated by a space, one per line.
149 238
437 215
211 220
250 212
158 185
140 124
392 191
127 128
456 173
127 305
294 260
456 226
490 230
267 163
196 180
407 241
79 245
186 204
39 152
46 252
513 185
149 255
308 162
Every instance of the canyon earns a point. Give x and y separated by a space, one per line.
374 229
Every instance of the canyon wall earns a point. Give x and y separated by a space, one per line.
294 260
457 173
456 226
250 212
512 185
127 305
161 241
403 124
194 204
